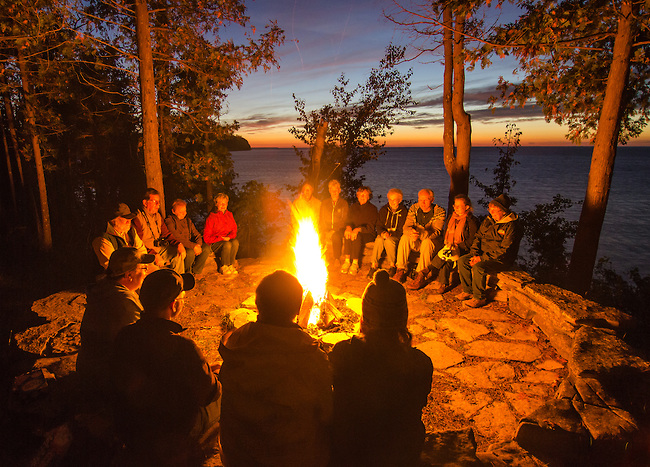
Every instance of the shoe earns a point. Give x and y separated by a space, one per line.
345 267
418 282
225 270
392 271
463 296
439 288
400 275
354 269
372 272
475 302
233 270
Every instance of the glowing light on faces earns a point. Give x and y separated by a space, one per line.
152 204
363 197
425 201
311 269
181 211
460 207
393 201
496 213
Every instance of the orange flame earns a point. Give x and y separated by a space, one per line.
311 269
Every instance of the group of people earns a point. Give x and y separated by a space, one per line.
174 242
442 244
277 398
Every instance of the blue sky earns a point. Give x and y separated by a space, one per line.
330 37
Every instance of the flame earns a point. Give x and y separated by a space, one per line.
311 269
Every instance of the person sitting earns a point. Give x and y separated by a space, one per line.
389 230
277 394
156 236
221 234
166 396
461 228
119 233
183 229
359 230
111 304
305 205
494 249
380 384
423 233
332 217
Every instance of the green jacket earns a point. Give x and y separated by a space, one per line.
498 241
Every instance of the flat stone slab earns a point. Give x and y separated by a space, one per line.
428 323
532 389
354 304
250 302
515 332
335 337
463 329
503 351
523 404
455 447
242 316
550 365
541 377
606 423
483 314
441 356
434 298
497 418
498 371
467 405
473 376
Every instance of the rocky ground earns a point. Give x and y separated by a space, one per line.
491 367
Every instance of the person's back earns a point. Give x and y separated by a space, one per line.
277 398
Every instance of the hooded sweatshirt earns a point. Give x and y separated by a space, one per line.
277 397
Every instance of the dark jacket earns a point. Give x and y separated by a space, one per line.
333 217
184 231
391 222
498 241
363 216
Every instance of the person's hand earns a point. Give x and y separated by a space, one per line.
348 233
354 234
158 261
225 239
474 260
385 235
181 250
197 250
415 235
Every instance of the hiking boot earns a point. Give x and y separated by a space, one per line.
354 269
418 282
463 296
372 272
345 267
475 302
400 275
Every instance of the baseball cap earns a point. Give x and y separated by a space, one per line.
126 259
161 287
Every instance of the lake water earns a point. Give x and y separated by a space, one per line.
542 173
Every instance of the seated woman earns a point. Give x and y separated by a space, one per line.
221 232
359 230
380 384
461 228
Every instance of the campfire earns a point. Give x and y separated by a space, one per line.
317 311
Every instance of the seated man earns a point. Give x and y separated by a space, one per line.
359 230
183 230
423 233
111 304
220 233
494 249
305 205
156 236
333 214
277 385
390 224
166 395
119 233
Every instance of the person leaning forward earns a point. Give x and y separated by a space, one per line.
166 394
156 236
183 229
494 249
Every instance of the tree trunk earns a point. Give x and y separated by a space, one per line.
449 155
10 172
152 167
45 237
9 113
585 249
460 173
317 154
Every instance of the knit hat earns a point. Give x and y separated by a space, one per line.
120 210
502 202
161 287
126 259
384 303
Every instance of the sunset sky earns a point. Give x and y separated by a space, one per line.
327 38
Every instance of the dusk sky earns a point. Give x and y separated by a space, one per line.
327 38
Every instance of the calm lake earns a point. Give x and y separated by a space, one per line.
542 173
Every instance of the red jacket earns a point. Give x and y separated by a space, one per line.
218 225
